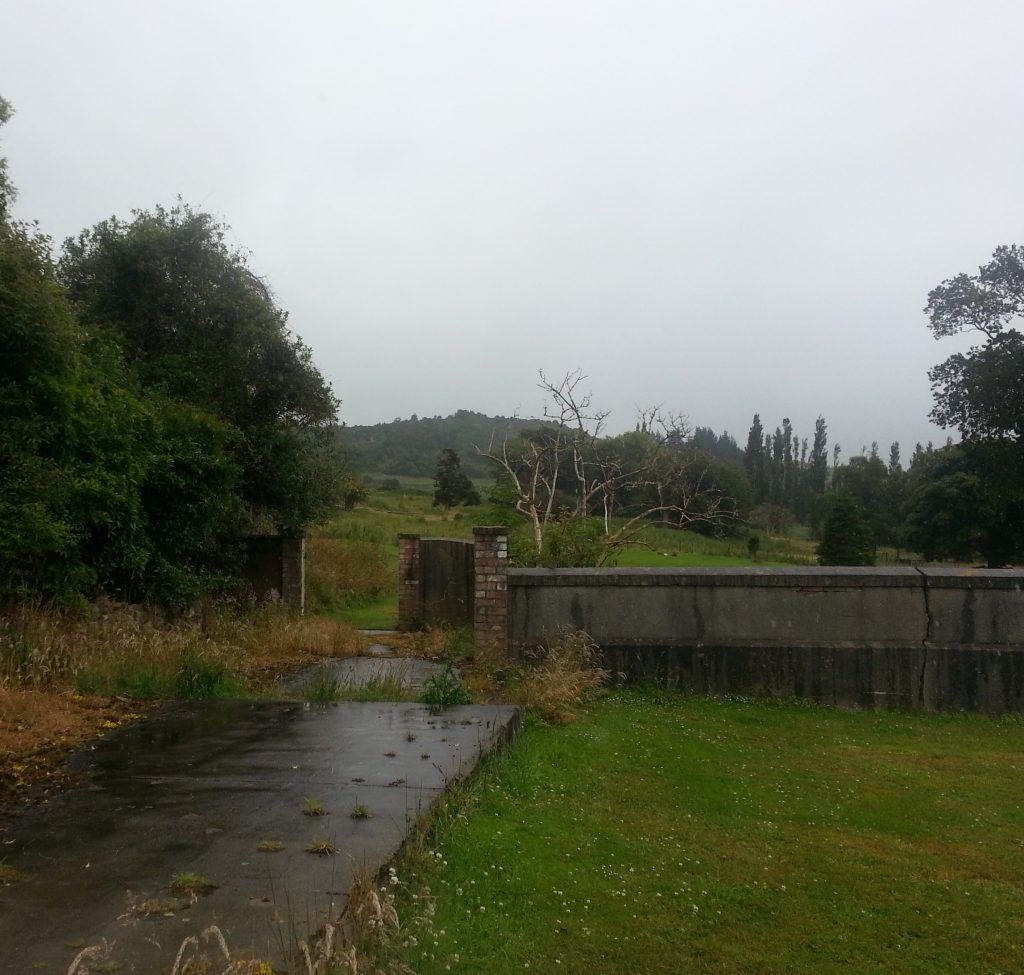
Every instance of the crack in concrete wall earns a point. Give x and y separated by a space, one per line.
929 624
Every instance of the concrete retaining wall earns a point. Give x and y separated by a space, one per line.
867 637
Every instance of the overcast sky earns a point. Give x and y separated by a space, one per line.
722 207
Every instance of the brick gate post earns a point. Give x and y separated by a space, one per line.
410 591
490 592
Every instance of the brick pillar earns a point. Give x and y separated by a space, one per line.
490 593
293 571
410 590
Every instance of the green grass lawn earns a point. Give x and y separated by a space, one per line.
381 614
662 833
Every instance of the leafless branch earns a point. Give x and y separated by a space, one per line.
571 457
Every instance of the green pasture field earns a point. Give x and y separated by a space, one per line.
663 833
370 533
668 546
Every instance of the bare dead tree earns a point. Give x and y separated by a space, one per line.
566 467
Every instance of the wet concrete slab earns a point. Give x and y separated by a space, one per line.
195 789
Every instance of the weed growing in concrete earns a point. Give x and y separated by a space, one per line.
8 875
323 848
359 811
311 807
444 690
192 883
163 906
105 968
270 846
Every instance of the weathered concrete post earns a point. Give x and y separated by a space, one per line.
293 571
410 589
490 595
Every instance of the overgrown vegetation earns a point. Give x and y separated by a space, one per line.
119 651
154 408
667 833
67 676
558 679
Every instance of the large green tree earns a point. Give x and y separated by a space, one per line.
131 448
981 393
965 501
103 485
867 480
196 323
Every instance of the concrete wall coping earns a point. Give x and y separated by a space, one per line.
948 578
774 577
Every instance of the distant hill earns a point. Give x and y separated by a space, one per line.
411 447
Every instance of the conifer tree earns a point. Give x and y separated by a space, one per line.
451 485
846 538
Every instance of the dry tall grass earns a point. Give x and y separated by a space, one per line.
108 650
65 678
363 940
433 643
342 573
559 678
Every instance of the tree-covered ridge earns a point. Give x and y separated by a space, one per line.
411 447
